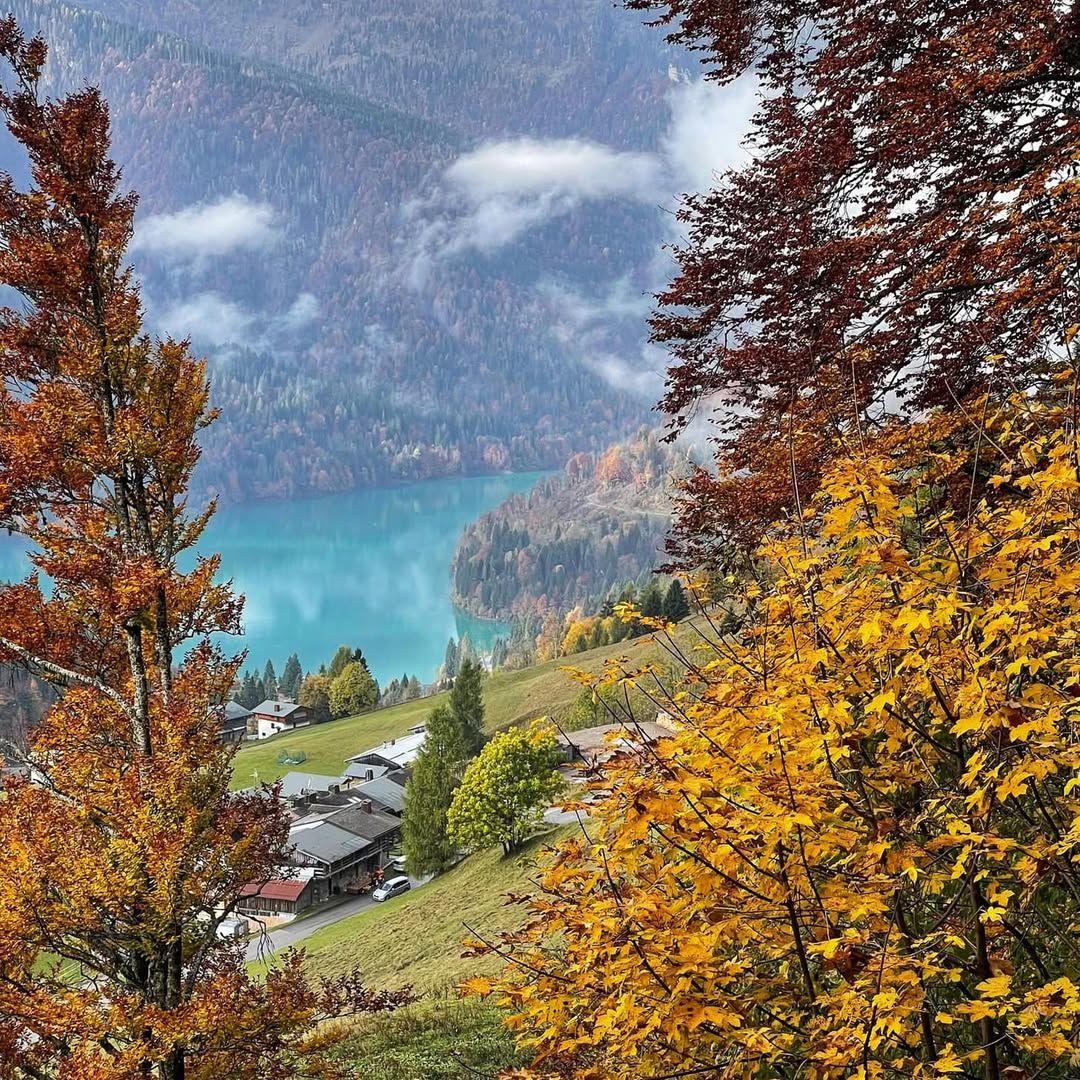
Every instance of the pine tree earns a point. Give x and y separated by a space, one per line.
436 773
450 663
466 650
292 677
269 680
250 691
416 690
467 706
652 600
676 606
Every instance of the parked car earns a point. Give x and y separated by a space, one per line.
394 886
235 928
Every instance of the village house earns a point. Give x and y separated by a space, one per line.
395 753
590 747
275 715
387 791
289 895
342 845
234 722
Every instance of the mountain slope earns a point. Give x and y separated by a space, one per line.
366 335
573 537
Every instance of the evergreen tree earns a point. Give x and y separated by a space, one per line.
416 690
652 600
269 680
466 650
450 663
436 773
598 637
250 691
676 606
341 658
292 677
467 706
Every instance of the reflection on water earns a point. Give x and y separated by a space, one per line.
367 568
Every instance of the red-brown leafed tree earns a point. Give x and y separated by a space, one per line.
911 206
121 860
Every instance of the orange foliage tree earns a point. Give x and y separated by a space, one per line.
124 854
858 855
910 206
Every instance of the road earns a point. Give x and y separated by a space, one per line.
291 934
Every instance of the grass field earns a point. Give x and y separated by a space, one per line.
510 697
437 1038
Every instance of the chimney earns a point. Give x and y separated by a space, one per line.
366 806
277 706
371 774
335 789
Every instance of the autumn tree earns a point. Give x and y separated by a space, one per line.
353 691
857 855
124 855
862 259
315 695
505 791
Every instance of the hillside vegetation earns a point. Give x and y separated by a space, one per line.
574 536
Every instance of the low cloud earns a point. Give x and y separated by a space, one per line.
208 230
491 196
208 318
707 132
524 168
215 322
642 377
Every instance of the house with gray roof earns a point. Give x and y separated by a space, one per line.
275 715
295 785
234 722
383 791
394 753
344 845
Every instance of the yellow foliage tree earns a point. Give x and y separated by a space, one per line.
859 854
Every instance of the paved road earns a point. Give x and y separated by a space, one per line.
291 934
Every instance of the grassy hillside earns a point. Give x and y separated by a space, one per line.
443 1038
511 697
416 939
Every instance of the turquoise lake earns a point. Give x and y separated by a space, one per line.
368 568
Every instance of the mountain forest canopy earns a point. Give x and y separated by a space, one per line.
344 352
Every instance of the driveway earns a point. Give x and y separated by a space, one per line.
292 934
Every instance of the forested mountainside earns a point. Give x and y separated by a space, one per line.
599 523
299 221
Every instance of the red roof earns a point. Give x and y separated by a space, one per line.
276 890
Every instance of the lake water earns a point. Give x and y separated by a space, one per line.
368 568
